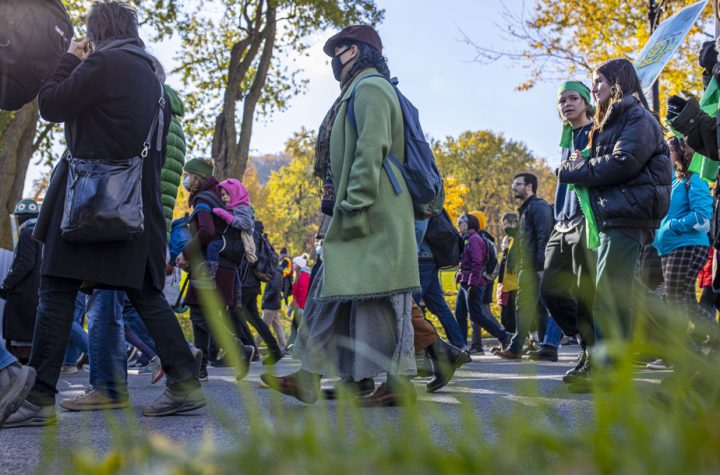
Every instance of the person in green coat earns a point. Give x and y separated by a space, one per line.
360 303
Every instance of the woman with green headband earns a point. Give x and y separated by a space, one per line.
628 175
568 285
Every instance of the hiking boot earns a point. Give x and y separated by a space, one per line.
16 381
170 403
248 352
579 374
351 388
545 353
30 415
581 362
93 400
446 359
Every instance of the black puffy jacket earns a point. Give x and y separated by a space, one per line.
629 172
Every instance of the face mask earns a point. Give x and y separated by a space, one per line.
337 65
186 182
318 250
510 231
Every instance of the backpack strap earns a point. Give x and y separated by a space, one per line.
391 158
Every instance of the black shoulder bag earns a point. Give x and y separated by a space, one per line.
103 198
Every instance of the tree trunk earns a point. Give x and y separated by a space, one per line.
17 131
230 151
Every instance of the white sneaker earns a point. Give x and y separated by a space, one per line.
658 365
69 369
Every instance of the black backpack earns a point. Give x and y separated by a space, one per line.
34 34
492 263
444 240
268 259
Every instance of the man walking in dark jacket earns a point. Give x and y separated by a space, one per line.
535 225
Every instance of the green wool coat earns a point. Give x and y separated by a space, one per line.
369 250
172 170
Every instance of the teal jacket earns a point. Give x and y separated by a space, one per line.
688 220
172 170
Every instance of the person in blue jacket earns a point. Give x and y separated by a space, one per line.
682 240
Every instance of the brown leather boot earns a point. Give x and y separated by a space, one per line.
399 394
301 385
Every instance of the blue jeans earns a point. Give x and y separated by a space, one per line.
132 319
6 359
553 334
434 299
78 342
469 300
108 357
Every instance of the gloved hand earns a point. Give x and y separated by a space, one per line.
675 105
223 214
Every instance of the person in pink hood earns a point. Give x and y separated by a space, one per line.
237 200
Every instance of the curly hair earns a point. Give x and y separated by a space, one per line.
368 57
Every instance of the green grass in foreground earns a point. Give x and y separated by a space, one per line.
635 428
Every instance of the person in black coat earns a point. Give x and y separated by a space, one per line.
20 287
534 229
106 92
629 176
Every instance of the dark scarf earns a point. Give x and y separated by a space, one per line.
322 168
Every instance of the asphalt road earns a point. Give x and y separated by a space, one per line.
488 384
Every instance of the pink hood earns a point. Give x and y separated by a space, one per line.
238 193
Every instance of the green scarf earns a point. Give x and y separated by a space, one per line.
701 165
592 233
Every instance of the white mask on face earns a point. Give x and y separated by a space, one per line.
186 182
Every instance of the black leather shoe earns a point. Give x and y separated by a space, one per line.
446 359
545 353
351 388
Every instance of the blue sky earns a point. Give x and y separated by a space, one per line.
425 51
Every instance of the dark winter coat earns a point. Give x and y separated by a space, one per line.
21 284
272 296
701 133
536 224
629 172
699 129
107 103
205 228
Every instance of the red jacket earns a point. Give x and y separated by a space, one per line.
301 288
705 277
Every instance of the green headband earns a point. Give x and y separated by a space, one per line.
566 139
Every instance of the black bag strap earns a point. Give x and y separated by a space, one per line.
182 291
158 123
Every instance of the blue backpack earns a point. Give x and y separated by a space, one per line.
179 236
420 171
